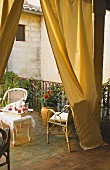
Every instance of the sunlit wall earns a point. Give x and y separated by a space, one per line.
106 63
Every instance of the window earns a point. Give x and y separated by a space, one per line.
20 35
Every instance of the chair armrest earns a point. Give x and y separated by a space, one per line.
51 111
3 139
58 113
66 105
64 108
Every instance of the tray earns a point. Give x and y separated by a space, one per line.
16 113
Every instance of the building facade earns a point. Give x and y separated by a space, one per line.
33 57
106 62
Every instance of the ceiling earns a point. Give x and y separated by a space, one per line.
108 4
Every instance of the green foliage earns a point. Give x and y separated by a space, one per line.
40 93
11 80
26 84
50 95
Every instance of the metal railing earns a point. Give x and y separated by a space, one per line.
105 102
35 89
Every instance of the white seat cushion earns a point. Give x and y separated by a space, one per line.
62 117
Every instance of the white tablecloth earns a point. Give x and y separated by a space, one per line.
12 121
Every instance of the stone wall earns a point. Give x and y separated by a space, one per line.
49 71
25 58
106 63
34 57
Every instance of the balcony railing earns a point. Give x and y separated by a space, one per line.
105 104
34 89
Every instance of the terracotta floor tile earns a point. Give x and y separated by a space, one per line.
38 155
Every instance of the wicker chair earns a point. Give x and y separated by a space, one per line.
63 119
5 147
14 96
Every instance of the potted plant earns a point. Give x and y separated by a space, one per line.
49 100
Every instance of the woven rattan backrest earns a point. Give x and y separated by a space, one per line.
15 94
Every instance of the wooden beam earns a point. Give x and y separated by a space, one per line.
99 21
108 4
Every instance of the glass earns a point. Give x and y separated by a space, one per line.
10 108
25 107
19 110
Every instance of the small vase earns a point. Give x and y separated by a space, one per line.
44 113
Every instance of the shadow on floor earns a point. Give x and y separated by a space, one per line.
105 130
37 154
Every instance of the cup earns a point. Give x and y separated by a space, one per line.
19 110
10 108
15 109
25 107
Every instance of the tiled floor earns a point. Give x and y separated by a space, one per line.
38 155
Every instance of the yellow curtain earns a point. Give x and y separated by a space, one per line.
70 30
10 11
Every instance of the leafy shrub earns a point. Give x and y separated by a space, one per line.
11 80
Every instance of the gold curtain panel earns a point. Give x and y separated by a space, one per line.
10 11
70 29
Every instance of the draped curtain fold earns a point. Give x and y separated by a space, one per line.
70 30
10 11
